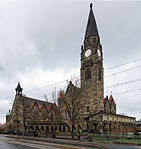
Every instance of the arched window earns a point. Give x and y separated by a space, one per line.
66 115
88 73
110 126
31 128
88 108
60 128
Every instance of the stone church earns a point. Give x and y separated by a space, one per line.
79 107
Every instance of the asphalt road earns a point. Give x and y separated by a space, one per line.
16 142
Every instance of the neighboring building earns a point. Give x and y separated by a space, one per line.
78 107
138 126
2 128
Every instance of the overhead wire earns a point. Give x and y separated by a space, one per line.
123 71
107 87
123 83
127 91
118 84
123 64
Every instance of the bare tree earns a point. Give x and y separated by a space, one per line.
73 104
54 95
45 96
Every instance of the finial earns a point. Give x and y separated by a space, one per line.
91 5
18 89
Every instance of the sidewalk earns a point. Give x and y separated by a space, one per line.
59 140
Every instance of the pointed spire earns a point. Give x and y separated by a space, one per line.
91 29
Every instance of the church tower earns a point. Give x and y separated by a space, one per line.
92 67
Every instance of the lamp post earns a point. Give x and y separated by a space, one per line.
22 120
87 120
87 113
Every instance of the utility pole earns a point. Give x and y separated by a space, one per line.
23 119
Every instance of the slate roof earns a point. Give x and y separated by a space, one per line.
91 28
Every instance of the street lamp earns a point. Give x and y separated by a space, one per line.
87 114
87 120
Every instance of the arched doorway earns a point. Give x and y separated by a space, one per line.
95 128
105 127
47 128
47 131
37 131
42 131
64 129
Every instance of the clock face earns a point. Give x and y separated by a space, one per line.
88 53
98 52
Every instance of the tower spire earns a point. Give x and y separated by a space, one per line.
91 29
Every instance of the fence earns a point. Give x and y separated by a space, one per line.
117 138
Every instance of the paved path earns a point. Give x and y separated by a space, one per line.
48 143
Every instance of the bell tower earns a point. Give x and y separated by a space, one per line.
92 66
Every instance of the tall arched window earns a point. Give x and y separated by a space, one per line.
99 74
88 73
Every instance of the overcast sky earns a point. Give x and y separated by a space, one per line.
40 44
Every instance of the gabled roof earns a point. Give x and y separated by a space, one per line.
30 102
71 85
91 29
61 94
111 99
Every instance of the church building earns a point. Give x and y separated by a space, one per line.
79 107
98 114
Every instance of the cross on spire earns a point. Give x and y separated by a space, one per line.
91 5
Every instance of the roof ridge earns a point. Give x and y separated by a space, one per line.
37 100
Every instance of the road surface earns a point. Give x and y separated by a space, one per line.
16 142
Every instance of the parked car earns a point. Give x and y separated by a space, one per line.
129 135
